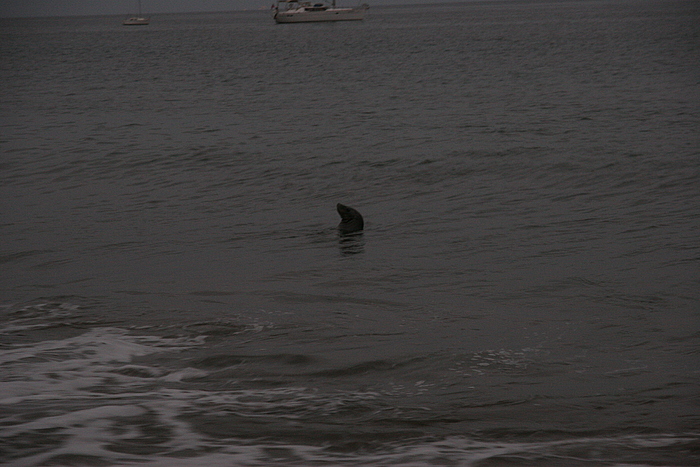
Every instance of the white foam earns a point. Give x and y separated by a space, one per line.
185 374
95 401
68 368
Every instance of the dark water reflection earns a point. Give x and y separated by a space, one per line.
351 243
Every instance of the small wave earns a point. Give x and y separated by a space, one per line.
114 396
78 367
40 315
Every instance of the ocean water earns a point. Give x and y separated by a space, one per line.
526 291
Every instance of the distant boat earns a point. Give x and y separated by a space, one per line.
297 11
137 20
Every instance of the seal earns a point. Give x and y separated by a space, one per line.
351 219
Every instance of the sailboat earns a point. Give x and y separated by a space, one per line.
137 20
301 11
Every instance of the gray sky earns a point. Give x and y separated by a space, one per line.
22 8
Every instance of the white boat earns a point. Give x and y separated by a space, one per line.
297 11
137 20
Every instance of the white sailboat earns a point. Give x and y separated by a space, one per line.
137 20
299 11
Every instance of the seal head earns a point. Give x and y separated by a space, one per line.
351 220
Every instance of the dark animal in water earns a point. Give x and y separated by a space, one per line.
351 219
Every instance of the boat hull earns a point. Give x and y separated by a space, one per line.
333 14
136 21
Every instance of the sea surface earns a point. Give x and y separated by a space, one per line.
526 291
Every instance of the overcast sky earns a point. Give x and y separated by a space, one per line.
22 8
